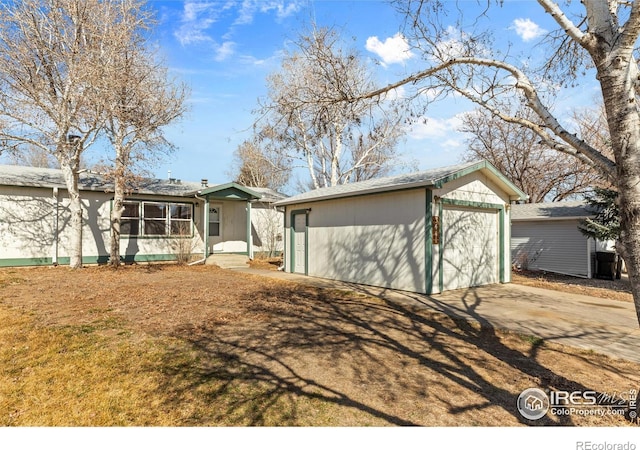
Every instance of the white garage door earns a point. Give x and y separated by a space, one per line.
470 247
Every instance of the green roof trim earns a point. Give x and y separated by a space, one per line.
484 164
230 191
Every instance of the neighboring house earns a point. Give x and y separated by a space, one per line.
161 218
545 237
425 232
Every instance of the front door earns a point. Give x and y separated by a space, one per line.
300 243
215 226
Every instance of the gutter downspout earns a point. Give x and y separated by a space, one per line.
54 249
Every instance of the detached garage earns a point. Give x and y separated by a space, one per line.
425 232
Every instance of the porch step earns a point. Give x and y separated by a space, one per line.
227 261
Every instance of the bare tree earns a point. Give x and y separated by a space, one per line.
335 143
593 37
53 58
258 166
139 100
542 173
34 157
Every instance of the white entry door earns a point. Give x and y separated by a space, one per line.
470 247
215 226
300 243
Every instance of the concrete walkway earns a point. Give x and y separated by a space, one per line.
604 326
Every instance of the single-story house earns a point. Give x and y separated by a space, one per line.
545 237
161 218
425 232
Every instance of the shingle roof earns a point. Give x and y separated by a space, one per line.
91 181
555 210
432 177
268 195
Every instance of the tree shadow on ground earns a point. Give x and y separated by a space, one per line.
291 351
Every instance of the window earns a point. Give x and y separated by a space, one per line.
156 219
130 220
214 221
180 219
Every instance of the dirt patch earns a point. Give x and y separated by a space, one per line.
270 352
609 289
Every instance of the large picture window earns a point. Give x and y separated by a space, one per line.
156 219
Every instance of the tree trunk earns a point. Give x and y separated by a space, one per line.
120 173
630 232
116 216
615 78
75 207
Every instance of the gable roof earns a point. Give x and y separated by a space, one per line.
92 181
231 191
430 178
577 209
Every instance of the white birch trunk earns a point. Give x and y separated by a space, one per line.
75 207
612 52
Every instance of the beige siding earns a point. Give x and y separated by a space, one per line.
26 222
553 245
233 237
267 229
28 219
474 187
376 239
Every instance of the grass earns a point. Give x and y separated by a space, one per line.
71 376
179 346
74 376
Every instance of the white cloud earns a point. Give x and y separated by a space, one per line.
197 18
282 8
527 29
434 128
224 51
393 50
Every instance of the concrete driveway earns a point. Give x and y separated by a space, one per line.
604 326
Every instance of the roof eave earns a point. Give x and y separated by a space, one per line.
338 195
515 194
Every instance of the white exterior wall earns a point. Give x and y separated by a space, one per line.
267 229
26 223
375 239
551 245
28 218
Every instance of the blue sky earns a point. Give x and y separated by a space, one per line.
225 49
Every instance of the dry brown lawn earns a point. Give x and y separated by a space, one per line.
193 346
609 289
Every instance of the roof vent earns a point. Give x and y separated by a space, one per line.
204 182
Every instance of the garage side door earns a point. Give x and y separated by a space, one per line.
470 247
299 243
